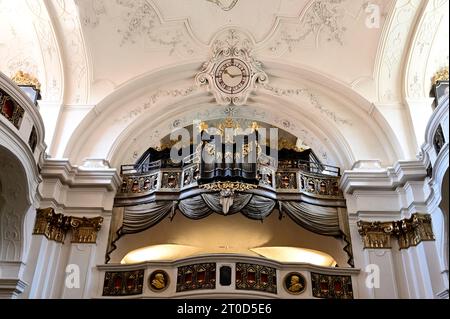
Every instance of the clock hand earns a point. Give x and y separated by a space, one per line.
231 75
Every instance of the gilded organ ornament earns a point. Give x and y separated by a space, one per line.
441 75
232 72
22 78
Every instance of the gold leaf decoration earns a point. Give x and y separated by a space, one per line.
22 78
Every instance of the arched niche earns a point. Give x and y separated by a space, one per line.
14 205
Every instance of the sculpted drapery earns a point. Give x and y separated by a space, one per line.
317 219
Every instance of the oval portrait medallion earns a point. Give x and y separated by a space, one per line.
158 280
295 283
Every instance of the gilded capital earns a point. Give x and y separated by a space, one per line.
52 225
84 230
376 235
43 217
409 232
56 226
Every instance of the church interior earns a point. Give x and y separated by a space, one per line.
264 149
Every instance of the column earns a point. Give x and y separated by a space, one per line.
82 257
51 254
374 257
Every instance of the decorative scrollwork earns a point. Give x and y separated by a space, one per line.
286 180
223 6
190 175
52 225
194 277
84 230
233 186
232 72
123 283
331 287
319 186
290 180
171 180
411 232
376 235
256 277
139 184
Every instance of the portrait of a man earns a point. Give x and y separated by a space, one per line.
295 283
159 280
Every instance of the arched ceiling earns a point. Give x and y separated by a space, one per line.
138 36
429 50
104 60
28 43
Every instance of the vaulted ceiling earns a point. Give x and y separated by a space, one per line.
355 62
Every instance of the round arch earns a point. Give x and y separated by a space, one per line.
14 205
426 56
346 125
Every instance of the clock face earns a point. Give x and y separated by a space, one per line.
232 76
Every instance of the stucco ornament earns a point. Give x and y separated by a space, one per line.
232 73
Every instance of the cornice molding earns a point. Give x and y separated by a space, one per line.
80 176
11 288
382 179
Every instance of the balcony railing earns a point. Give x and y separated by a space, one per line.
437 133
20 118
225 275
305 166
306 179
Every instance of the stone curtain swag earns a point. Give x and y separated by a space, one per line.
320 220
